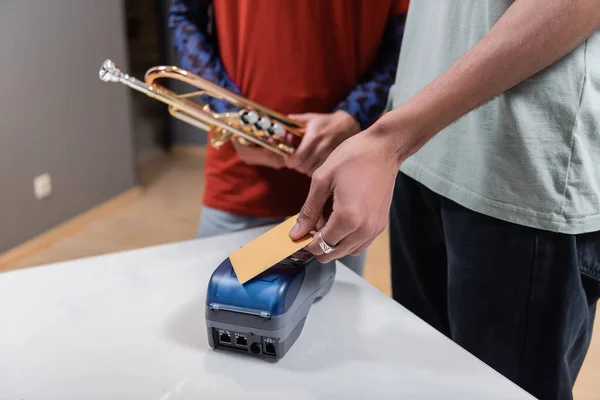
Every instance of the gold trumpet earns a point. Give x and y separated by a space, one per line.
252 124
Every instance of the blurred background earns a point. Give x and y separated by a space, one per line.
89 168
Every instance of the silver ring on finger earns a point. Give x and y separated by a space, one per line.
324 246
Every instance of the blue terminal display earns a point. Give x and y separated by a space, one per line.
268 294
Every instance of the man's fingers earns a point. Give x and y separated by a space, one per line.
346 231
362 248
336 229
348 245
313 247
336 233
343 248
343 220
312 210
321 222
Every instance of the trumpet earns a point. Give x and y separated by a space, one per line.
252 124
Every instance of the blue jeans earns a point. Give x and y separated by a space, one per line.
520 299
216 222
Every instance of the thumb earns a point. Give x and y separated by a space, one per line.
312 210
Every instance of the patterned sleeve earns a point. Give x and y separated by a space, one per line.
369 99
191 24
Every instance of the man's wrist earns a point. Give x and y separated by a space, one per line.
402 132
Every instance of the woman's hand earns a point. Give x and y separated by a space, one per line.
258 156
324 132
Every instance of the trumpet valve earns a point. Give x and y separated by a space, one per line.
248 117
277 129
264 124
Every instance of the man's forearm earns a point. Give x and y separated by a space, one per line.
529 37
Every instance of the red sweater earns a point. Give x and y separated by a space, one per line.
292 57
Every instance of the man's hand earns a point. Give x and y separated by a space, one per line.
324 132
360 174
258 156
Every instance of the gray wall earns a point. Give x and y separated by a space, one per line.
56 116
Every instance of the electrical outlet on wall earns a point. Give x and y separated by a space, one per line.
42 186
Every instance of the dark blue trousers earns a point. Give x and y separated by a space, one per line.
522 300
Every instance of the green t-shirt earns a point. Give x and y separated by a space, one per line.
530 156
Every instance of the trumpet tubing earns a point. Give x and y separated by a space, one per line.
253 124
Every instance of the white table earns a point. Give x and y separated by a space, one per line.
131 326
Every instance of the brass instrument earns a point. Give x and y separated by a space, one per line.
253 124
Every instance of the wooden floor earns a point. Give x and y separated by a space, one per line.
168 211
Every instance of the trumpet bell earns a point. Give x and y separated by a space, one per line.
252 124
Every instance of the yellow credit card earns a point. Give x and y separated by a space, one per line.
266 250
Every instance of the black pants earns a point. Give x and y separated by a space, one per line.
522 300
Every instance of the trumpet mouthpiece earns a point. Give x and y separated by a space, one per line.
109 72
